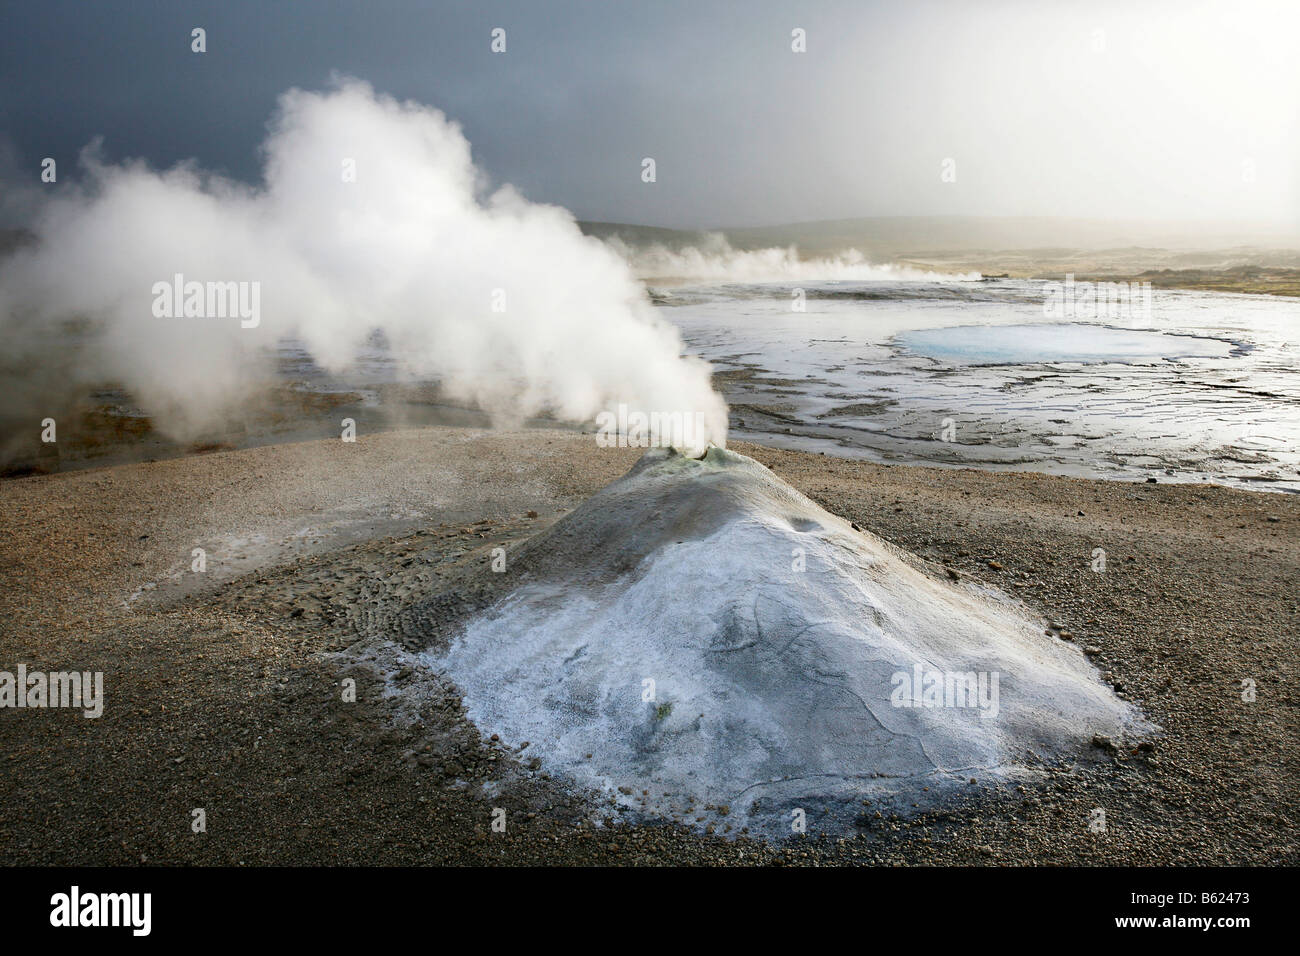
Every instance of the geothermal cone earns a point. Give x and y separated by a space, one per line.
701 631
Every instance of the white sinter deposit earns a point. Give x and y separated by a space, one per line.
795 661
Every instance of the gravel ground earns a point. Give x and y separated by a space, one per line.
224 690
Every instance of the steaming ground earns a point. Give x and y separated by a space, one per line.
227 696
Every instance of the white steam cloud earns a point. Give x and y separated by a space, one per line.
414 245
716 260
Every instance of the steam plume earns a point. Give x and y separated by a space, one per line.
501 299
714 259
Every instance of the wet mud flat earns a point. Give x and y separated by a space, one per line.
1199 387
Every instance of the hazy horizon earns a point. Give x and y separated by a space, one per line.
1190 232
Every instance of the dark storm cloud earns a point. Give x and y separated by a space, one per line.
1134 109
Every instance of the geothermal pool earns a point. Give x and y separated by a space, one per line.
1061 343
973 374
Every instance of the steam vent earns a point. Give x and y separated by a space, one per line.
699 634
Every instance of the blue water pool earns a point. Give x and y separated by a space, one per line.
1058 342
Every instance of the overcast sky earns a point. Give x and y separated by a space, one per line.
1136 109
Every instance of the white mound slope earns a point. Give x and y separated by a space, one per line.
795 661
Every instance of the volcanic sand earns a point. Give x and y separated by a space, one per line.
225 690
